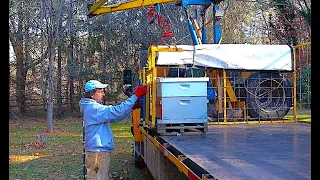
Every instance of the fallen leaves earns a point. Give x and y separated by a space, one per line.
24 158
38 144
124 175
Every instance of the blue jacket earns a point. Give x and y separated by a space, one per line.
97 119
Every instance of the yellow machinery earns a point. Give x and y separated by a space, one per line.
238 95
260 96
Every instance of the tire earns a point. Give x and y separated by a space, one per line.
138 160
269 96
131 129
139 163
240 92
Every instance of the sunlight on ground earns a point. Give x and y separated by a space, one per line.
23 158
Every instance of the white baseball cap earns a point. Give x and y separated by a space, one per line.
93 84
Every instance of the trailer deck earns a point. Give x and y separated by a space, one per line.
250 151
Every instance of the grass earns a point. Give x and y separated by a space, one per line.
303 115
61 157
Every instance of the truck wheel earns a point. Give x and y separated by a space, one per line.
240 91
138 161
131 129
269 96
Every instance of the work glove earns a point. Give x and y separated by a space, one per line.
140 91
137 105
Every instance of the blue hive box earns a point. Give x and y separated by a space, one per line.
182 100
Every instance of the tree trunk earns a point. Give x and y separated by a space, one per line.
81 58
71 74
43 66
71 58
17 39
51 89
21 77
53 37
59 89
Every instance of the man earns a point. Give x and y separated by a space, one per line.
98 138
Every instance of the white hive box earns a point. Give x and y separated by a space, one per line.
182 100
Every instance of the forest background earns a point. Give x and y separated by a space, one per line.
55 47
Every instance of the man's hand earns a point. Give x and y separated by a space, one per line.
127 89
140 91
137 105
134 107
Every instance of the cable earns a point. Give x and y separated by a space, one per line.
84 153
162 22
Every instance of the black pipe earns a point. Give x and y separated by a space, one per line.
84 154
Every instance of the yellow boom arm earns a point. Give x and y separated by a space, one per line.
98 9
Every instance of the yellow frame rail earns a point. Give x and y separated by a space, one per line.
178 161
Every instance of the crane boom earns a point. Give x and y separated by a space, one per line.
98 9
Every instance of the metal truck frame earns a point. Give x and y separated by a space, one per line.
159 149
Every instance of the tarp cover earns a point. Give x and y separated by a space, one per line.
231 56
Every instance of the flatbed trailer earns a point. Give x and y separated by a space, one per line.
239 151
260 143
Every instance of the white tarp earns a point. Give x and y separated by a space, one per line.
231 56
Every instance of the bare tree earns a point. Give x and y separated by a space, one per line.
16 20
53 36
43 77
